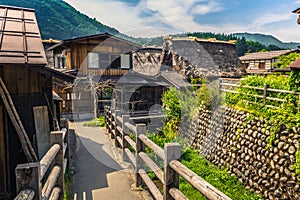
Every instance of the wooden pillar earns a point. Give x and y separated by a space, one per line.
140 147
29 176
56 137
266 86
117 113
125 118
171 178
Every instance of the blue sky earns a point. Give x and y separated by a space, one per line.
148 18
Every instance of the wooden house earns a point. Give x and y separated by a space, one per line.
96 59
261 62
26 103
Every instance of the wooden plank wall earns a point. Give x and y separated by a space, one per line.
42 129
79 56
28 88
21 80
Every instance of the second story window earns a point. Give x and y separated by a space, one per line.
99 60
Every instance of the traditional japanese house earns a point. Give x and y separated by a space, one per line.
261 62
195 57
97 59
26 95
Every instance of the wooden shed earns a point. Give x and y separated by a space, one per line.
97 58
26 95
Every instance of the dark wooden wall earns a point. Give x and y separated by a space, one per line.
80 50
28 88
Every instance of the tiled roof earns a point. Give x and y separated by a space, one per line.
264 55
20 39
295 64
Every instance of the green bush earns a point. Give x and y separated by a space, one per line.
98 122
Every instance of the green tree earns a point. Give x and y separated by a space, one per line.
241 46
284 60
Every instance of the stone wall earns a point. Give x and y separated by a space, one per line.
228 138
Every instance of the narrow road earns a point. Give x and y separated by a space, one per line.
100 172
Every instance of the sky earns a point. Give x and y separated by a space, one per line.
150 18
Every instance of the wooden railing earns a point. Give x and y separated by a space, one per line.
230 87
44 180
120 126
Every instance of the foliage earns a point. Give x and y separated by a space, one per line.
247 99
209 96
294 80
179 104
284 60
67 185
219 178
98 122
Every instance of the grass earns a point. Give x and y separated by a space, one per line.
67 185
98 122
217 177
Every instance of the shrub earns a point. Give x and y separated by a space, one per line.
98 122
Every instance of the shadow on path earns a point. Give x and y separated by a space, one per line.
91 173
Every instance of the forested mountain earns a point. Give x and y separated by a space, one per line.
267 40
59 20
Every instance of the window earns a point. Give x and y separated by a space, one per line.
60 61
98 60
93 60
125 61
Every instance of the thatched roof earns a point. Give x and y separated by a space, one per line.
204 58
147 60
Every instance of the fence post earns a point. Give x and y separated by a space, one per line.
266 86
56 137
172 152
140 147
111 119
29 176
117 133
65 124
125 118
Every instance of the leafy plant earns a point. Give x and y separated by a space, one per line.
284 60
98 122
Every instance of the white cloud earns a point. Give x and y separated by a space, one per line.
268 18
151 18
148 17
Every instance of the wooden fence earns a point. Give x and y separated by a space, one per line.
120 126
266 90
44 180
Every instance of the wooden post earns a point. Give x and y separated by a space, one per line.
140 147
125 118
29 176
65 124
56 137
172 152
266 86
117 123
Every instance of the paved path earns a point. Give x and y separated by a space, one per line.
100 172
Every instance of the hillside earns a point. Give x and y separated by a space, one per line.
59 20
267 40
